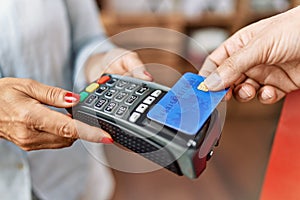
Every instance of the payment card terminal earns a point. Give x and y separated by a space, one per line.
176 127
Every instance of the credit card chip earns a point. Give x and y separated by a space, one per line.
202 87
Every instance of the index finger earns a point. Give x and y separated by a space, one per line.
47 120
133 65
207 68
219 55
237 41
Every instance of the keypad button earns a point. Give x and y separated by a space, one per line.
91 99
142 90
156 93
134 117
131 99
121 96
103 79
121 84
110 93
99 104
83 96
121 111
92 87
110 107
101 90
141 108
111 82
149 100
131 87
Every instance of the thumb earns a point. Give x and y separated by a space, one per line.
52 96
142 73
133 64
234 67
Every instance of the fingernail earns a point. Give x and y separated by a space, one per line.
148 74
244 93
71 97
266 95
107 140
213 81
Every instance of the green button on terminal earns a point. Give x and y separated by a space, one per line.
83 96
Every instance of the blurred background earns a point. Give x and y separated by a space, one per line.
237 169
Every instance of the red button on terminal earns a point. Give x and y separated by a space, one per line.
103 79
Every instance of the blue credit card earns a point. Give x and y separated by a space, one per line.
185 107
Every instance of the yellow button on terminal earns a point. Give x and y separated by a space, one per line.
92 87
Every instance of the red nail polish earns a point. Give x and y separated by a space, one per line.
106 140
71 97
148 74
